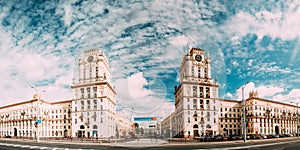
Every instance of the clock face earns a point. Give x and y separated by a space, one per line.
90 59
198 57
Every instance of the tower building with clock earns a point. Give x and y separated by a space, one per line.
196 98
94 98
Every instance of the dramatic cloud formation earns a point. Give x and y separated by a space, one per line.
144 42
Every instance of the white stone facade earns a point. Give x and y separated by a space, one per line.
19 119
91 112
196 98
94 103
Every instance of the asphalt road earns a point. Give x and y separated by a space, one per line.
282 144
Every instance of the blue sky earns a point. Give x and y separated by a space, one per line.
144 42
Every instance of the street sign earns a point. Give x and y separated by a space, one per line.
145 119
38 121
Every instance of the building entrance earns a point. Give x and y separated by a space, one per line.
15 132
276 130
196 130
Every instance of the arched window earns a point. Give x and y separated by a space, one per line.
82 127
195 126
208 126
94 126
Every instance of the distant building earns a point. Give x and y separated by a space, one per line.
262 116
19 119
91 112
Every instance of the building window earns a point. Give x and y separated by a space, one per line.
84 73
201 92
192 71
95 104
201 104
95 91
194 91
82 105
189 120
88 104
199 72
207 92
96 72
207 104
82 92
90 72
194 103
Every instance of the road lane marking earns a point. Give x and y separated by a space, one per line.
244 147
38 147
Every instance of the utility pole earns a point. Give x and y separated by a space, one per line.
244 114
37 115
171 126
297 119
38 120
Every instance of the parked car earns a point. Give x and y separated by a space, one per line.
225 138
281 135
208 138
275 136
239 137
232 137
269 136
254 136
263 136
218 138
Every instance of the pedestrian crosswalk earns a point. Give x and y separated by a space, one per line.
21 146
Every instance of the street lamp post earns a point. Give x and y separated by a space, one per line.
244 114
38 114
297 120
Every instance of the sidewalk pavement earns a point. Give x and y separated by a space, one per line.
142 142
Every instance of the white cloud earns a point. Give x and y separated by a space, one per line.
235 63
68 15
136 84
292 96
229 95
264 91
180 41
135 95
267 91
278 23
250 62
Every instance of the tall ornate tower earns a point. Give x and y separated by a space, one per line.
93 104
196 97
